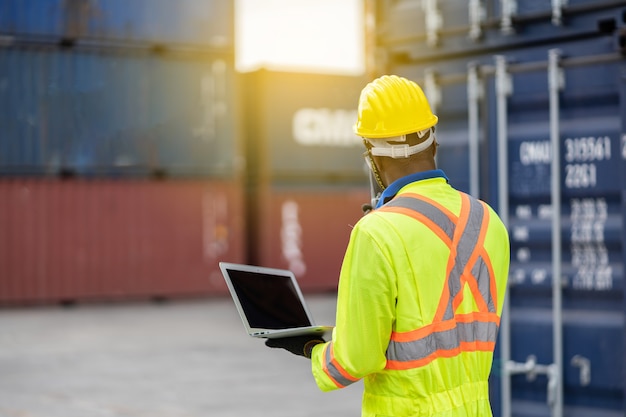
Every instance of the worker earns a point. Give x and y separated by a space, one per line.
423 278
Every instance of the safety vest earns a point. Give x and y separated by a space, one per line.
418 319
451 333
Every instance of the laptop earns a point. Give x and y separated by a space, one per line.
269 302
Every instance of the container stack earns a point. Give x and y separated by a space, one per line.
532 112
120 150
306 177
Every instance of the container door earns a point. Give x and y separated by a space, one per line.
565 318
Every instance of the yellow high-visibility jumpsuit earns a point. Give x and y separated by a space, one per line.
419 301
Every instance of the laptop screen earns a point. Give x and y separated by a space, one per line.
269 301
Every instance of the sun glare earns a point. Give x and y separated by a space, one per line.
320 36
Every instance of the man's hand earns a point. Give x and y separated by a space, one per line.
298 345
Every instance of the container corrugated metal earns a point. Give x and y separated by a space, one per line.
300 127
195 22
307 230
91 113
79 240
432 30
504 101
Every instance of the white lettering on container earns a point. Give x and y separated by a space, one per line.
587 149
520 233
535 153
523 254
215 231
291 238
580 175
580 155
590 256
324 127
524 211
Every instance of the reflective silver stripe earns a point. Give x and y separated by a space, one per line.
333 372
481 272
433 213
464 249
475 331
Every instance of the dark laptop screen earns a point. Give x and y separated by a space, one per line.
269 301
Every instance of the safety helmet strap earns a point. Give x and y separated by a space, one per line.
382 147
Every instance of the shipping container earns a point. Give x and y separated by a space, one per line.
299 127
119 23
117 114
426 31
532 115
306 229
92 240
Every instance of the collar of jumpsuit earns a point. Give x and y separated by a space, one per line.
397 185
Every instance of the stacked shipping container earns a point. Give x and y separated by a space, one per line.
306 177
119 149
530 98
133 158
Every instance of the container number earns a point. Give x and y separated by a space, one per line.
590 256
580 175
587 149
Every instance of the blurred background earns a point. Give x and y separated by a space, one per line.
144 141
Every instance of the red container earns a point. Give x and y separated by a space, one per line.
106 239
307 231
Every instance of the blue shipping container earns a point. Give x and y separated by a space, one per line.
92 114
193 22
300 127
419 31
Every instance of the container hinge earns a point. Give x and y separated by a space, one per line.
557 11
477 17
585 369
509 8
556 76
475 86
431 89
531 368
504 83
433 21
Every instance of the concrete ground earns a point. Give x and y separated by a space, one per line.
173 359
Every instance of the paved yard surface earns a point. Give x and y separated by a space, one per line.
173 359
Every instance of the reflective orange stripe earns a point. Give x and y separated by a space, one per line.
340 377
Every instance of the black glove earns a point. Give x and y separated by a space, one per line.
298 345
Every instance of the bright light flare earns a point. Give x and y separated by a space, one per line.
314 36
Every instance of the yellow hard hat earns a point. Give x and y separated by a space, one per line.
392 106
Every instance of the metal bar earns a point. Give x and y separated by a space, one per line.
555 84
514 68
473 97
503 90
